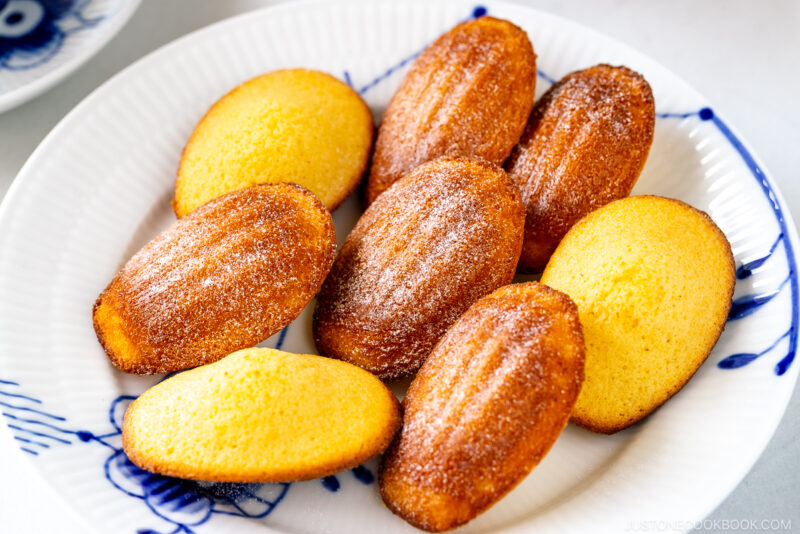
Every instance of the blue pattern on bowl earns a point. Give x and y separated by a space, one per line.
32 32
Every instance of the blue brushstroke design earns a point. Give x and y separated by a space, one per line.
32 442
19 396
360 473
758 174
39 434
21 420
363 475
330 483
747 305
477 12
116 412
745 270
31 410
541 74
281 338
782 366
734 361
378 79
677 115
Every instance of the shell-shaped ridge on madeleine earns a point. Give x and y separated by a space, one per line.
225 277
439 239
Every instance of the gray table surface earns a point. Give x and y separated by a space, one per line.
743 55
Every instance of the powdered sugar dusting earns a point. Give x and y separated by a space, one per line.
227 276
468 94
585 144
489 402
447 234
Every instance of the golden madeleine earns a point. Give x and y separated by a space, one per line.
261 415
653 279
293 125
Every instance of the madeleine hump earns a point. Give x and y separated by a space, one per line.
261 415
487 405
290 125
653 279
585 145
225 277
444 236
468 94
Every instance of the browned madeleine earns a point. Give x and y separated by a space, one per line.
468 94
442 237
486 407
585 145
225 277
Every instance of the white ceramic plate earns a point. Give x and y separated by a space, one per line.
99 187
43 41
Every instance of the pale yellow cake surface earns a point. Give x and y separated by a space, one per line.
294 125
653 280
261 415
